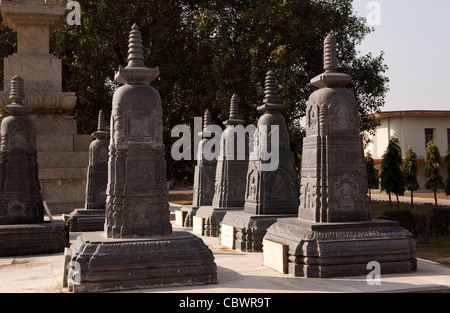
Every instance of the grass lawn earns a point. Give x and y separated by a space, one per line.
437 251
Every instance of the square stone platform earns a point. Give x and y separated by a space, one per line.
249 229
208 218
326 250
33 239
180 259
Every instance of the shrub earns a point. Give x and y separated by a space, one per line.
405 218
441 221
423 222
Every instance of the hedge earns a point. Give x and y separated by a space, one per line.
422 222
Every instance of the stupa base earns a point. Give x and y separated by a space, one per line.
33 239
86 220
249 229
180 259
343 249
207 220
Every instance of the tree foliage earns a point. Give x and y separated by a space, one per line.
447 181
410 170
433 177
392 180
208 50
372 178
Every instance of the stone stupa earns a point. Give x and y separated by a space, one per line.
23 230
92 217
138 248
271 192
204 179
334 234
231 174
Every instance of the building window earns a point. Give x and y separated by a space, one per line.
429 135
448 137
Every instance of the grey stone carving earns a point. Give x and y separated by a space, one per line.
63 154
22 227
230 180
92 218
21 201
138 248
137 195
334 234
98 167
204 179
269 195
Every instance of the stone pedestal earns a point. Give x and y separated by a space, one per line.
33 239
138 248
22 227
271 193
63 155
211 217
180 259
92 218
230 180
250 229
319 250
334 234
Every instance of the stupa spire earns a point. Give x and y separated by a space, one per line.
17 97
234 107
136 72
135 48
330 54
271 100
331 78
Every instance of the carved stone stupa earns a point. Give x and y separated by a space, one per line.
204 179
271 193
334 234
92 217
138 248
22 227
231 172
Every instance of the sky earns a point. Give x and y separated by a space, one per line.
415 36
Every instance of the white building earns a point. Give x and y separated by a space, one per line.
415 129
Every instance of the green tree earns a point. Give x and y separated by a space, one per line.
392 180
447 181
433 178
410 170
372 179
8 38
208 50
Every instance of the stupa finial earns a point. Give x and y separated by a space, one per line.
207 119
234 112
330 54
101 121
101 133
234 107
271 101
331 78
17 97
135 48
136 72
